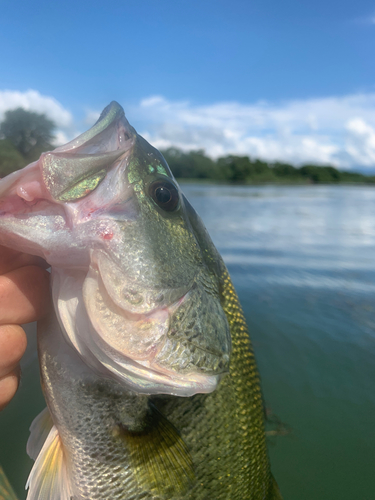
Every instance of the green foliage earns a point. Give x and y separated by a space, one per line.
356 177
242 169
235 168
27 130
193 165
24 136
318 174
285 170
10 158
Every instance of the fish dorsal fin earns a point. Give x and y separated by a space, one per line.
48 479
159 457
39 430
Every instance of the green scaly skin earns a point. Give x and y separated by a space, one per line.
224 431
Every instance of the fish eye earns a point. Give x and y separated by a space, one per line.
164 194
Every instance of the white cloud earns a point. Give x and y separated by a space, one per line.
61 138
361 141
32 100
335 130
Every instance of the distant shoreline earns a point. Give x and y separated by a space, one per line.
219 182
243 170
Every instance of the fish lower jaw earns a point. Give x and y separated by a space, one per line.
201 383
140 369
146 377
155 382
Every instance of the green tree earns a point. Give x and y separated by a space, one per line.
10 158
285 170
317 174
190 165
243 169
236 168
29 132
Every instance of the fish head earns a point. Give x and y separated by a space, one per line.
136 278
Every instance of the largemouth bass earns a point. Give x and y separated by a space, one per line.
148 372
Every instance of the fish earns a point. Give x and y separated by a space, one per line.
147 367
6 490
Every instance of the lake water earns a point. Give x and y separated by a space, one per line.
303 262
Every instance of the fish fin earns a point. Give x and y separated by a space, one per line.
39 430
48 479
159 457
275 492
6 491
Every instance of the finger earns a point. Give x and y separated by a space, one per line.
13 343
8 387
24 295
12 259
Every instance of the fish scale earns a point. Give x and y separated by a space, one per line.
94 453
229 445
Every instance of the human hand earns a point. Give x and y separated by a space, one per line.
24 297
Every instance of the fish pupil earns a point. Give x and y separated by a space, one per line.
165 195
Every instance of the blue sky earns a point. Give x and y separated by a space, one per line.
287 80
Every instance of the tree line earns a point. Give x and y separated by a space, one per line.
24 135
245 170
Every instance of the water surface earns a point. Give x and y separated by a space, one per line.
302 260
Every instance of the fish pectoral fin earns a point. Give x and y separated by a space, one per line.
39 430
160 459
6 491
48 478
275 492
